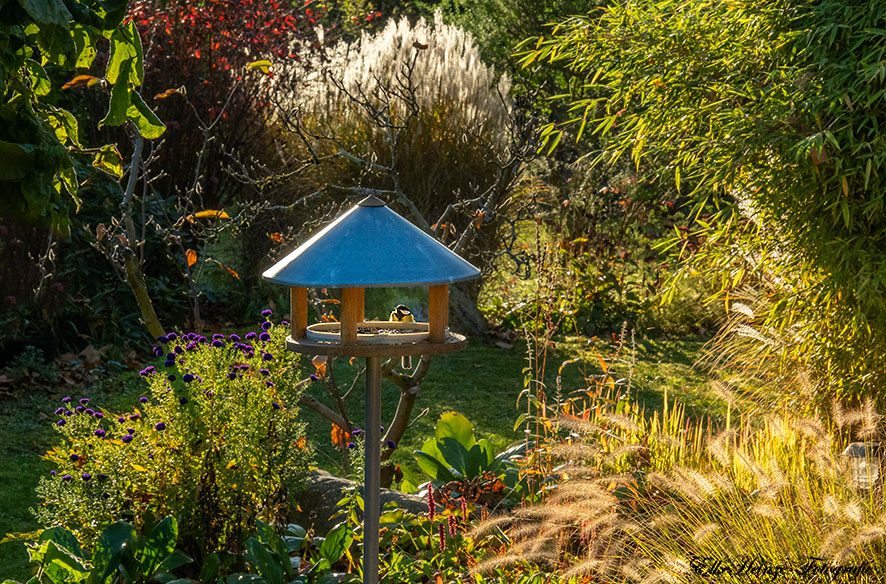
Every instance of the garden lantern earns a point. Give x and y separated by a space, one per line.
864 463
371 246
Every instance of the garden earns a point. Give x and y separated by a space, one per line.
442 291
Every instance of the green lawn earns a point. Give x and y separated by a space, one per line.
482 382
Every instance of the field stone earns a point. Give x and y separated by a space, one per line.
323 490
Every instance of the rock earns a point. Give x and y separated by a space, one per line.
323 490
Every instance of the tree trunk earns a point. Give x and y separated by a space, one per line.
136 281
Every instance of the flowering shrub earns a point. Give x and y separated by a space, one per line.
215 441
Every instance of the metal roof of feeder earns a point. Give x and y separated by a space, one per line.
370 246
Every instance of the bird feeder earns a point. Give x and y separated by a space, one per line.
371 246
864 463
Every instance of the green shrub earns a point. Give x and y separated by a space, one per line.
215 441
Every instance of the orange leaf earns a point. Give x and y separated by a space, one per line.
232 272
79 80
276 237
339 437
301 443
208 214
320 364
191 256
167 93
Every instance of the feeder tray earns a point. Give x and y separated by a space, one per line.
372 332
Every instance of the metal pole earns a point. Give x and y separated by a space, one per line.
372 471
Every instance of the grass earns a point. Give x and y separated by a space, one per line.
482 382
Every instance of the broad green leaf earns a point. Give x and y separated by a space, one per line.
455 455
337 542
39 80
486 446
159 544
476 462
65 126
433 467
175 560
109 160
56 45
209 569
263 562
149 125
120 102
455 425
16 160
112 545
48 11
63 566
68 176
84 46
126 47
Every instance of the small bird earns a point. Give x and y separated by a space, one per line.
402 314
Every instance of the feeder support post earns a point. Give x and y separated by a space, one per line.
298 308
351 313
438 312
372 471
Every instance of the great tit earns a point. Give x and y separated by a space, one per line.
402 314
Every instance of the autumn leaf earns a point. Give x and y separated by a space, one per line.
80 80
191 256
320 364
208 214
276 237
263 66
167 93
339 437
301 443
232 272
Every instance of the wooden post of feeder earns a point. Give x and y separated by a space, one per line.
298 308
438 312
351 314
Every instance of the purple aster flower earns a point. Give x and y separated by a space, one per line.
275 405
191 346
60 423
79 409
102 477
105 496
134 417
244 367
157 350
121 419
59 411
266 312
98 415
266 326
314 377
100 433
74 458
159 426
284 322
179 350
170 377
130 431
172 336
147 371
69 413
232 375
183 400
84 401
382 428
249 336
127 439
67 477
143 400
267 357
66 399
265 337
86 476
352 445
269 383
391 444
199 379
187 378
357 432
181 361
163 339
89 411
209 394
218 343
170 363
264 372
170 356
53 472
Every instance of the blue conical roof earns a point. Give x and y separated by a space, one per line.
370 246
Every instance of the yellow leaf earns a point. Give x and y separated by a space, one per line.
231 464
208 214
264 66
139 468
191 256
167 93
87 80
320 364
